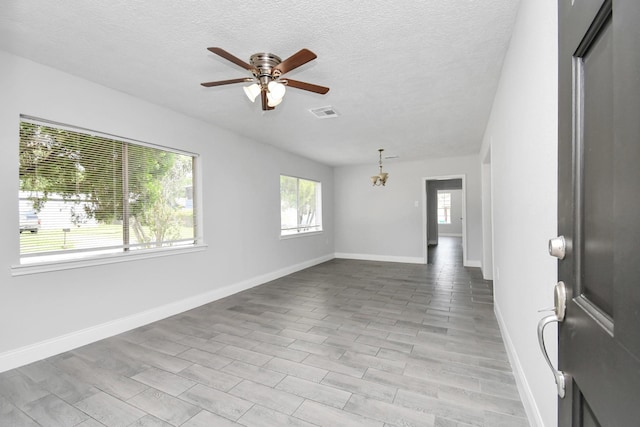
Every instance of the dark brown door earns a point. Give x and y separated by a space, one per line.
599 211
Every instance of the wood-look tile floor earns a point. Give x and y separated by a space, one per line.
345 343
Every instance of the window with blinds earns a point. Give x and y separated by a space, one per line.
300 206
86 194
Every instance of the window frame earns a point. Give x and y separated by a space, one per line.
319 202
446 208
96 258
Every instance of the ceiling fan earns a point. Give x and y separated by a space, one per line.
267 80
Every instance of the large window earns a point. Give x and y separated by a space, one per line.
444 207
300 206
88 194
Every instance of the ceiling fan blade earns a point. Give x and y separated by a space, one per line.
226 82
265 101
294 61
307 86
229 57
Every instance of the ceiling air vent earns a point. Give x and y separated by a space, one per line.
324 112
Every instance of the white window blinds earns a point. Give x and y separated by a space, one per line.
94 194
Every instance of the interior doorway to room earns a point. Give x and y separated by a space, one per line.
433 218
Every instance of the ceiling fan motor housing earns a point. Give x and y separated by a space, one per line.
264 63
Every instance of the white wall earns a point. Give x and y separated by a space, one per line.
386 223
522 138
48 312
455 228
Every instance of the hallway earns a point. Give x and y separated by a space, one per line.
345 343
447 251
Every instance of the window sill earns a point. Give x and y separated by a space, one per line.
295 235
44 267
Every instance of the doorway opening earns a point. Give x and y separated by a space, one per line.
447 222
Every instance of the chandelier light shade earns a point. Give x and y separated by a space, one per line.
381 178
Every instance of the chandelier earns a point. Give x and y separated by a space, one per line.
381 178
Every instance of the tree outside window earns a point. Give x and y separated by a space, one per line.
95 194
300 205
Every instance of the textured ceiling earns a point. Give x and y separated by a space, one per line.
416 78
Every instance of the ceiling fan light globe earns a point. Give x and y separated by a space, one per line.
276 90
271 101
252 91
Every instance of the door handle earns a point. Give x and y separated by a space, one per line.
558 375
560 306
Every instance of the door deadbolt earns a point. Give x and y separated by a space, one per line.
557 247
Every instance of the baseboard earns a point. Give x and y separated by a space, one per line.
389 258
382 258
529 403
47 348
